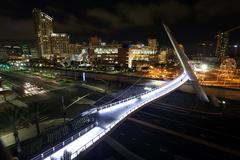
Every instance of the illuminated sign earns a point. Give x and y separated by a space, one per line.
84 76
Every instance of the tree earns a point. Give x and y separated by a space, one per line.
5 93
14 117
34 114
3 57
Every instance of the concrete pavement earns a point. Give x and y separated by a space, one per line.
28 132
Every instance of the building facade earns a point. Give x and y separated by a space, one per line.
43 26
104 56
141 56
49 44
222 45
60 44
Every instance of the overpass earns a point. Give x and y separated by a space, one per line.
111 115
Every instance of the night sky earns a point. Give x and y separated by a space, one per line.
191 21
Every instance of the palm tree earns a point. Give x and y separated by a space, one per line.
14 117
34 113
5 93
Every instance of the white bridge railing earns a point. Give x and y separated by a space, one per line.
139 101
181 77
157 92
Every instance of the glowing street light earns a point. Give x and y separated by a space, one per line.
204 67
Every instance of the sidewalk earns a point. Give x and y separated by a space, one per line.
39 77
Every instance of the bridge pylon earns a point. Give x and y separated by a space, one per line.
182 57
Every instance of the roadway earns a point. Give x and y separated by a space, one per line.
70 91
53 92
178 123
18 80
52 99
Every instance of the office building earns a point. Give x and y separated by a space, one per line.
142 56
43 25
49 44
60 44
105 56
222 45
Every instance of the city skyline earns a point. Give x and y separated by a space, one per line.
120 80
108 93
120 20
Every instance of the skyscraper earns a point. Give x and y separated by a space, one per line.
43 25
222 45
49 44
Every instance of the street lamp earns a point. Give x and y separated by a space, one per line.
224 104
204 68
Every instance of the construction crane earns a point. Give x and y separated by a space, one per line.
222 43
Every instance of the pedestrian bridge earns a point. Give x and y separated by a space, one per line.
111 115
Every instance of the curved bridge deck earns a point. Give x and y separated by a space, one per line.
111 115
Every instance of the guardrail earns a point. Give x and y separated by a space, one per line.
182 78
63 143
139 95
146 97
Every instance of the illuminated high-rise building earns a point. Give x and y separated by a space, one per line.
49 44
222 45
43 25
60 44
